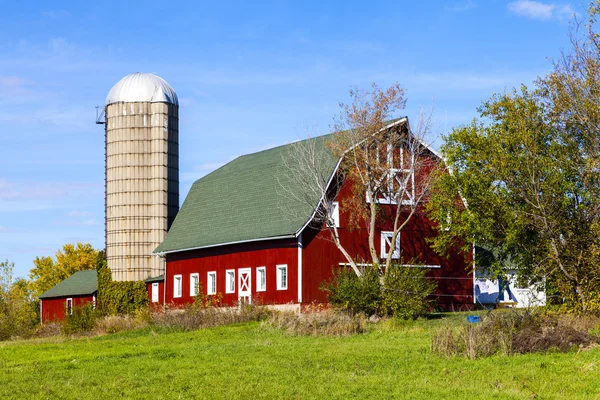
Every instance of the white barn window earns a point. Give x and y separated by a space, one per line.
194 282
211 285
230 281
334 214
261 279
70 306
386 244
282 277
177 288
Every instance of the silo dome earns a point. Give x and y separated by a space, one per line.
142 87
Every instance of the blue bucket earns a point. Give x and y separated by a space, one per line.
473 319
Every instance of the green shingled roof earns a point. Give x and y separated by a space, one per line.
244 200
80 283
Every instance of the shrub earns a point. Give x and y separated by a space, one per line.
324 323
353 294
81 320
405 292
515 332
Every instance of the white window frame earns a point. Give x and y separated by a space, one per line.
282 284
386 237
211 283
154 293
334 214
259 287
177 286
194 287
392 174
230 281
69 306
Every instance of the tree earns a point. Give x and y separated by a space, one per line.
387 165
72 258
528 171
18 309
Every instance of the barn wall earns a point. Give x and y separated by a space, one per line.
54 309
248 255
320 255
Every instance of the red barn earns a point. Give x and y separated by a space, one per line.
240 237
75 291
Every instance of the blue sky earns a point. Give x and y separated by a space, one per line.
249 76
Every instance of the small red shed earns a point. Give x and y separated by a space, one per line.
75 291
156 291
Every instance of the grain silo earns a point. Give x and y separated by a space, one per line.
142 173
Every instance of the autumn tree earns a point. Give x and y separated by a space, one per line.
48 272
18 308
386 164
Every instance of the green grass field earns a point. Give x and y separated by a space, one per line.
248 361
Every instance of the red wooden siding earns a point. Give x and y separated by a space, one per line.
267 254
320 255
54 309
161 294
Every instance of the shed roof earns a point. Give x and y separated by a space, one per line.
78 284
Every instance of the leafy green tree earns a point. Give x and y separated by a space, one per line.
528 173
49 272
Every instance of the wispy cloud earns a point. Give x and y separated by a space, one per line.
6 229
33 190
461 6
80 214
79 218
541 11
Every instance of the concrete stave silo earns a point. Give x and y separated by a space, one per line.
142 173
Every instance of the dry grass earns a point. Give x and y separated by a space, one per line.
516 332
48 330
324 323
118 323
199 317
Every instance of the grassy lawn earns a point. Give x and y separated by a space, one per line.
246 361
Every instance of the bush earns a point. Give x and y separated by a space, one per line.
405 292
353 294
516 332
324 323
81 320
119 297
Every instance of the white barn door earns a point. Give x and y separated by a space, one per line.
245 285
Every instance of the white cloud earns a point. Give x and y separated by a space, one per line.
538 10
